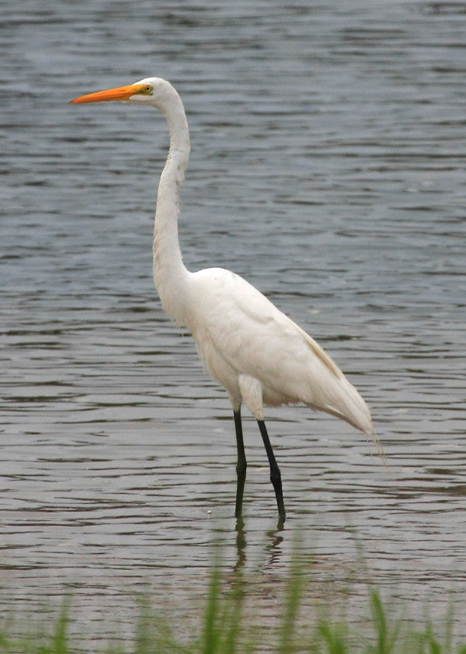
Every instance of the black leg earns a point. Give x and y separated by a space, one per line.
275 476
241 465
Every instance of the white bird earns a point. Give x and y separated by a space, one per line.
255 351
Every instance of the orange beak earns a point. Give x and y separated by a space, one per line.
121 93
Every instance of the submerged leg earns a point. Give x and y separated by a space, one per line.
275 476
241 465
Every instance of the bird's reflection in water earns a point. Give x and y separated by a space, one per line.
274 539
240 544
273 544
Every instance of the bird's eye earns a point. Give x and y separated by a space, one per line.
147 90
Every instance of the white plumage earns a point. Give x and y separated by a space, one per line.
255 351
239 332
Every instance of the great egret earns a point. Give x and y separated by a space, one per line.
257 353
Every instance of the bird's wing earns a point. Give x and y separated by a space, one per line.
244 331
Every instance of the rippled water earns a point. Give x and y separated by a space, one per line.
328 168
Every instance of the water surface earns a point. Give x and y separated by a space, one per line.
328 169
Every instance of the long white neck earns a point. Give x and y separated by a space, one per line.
170 273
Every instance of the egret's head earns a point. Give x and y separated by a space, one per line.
152 90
